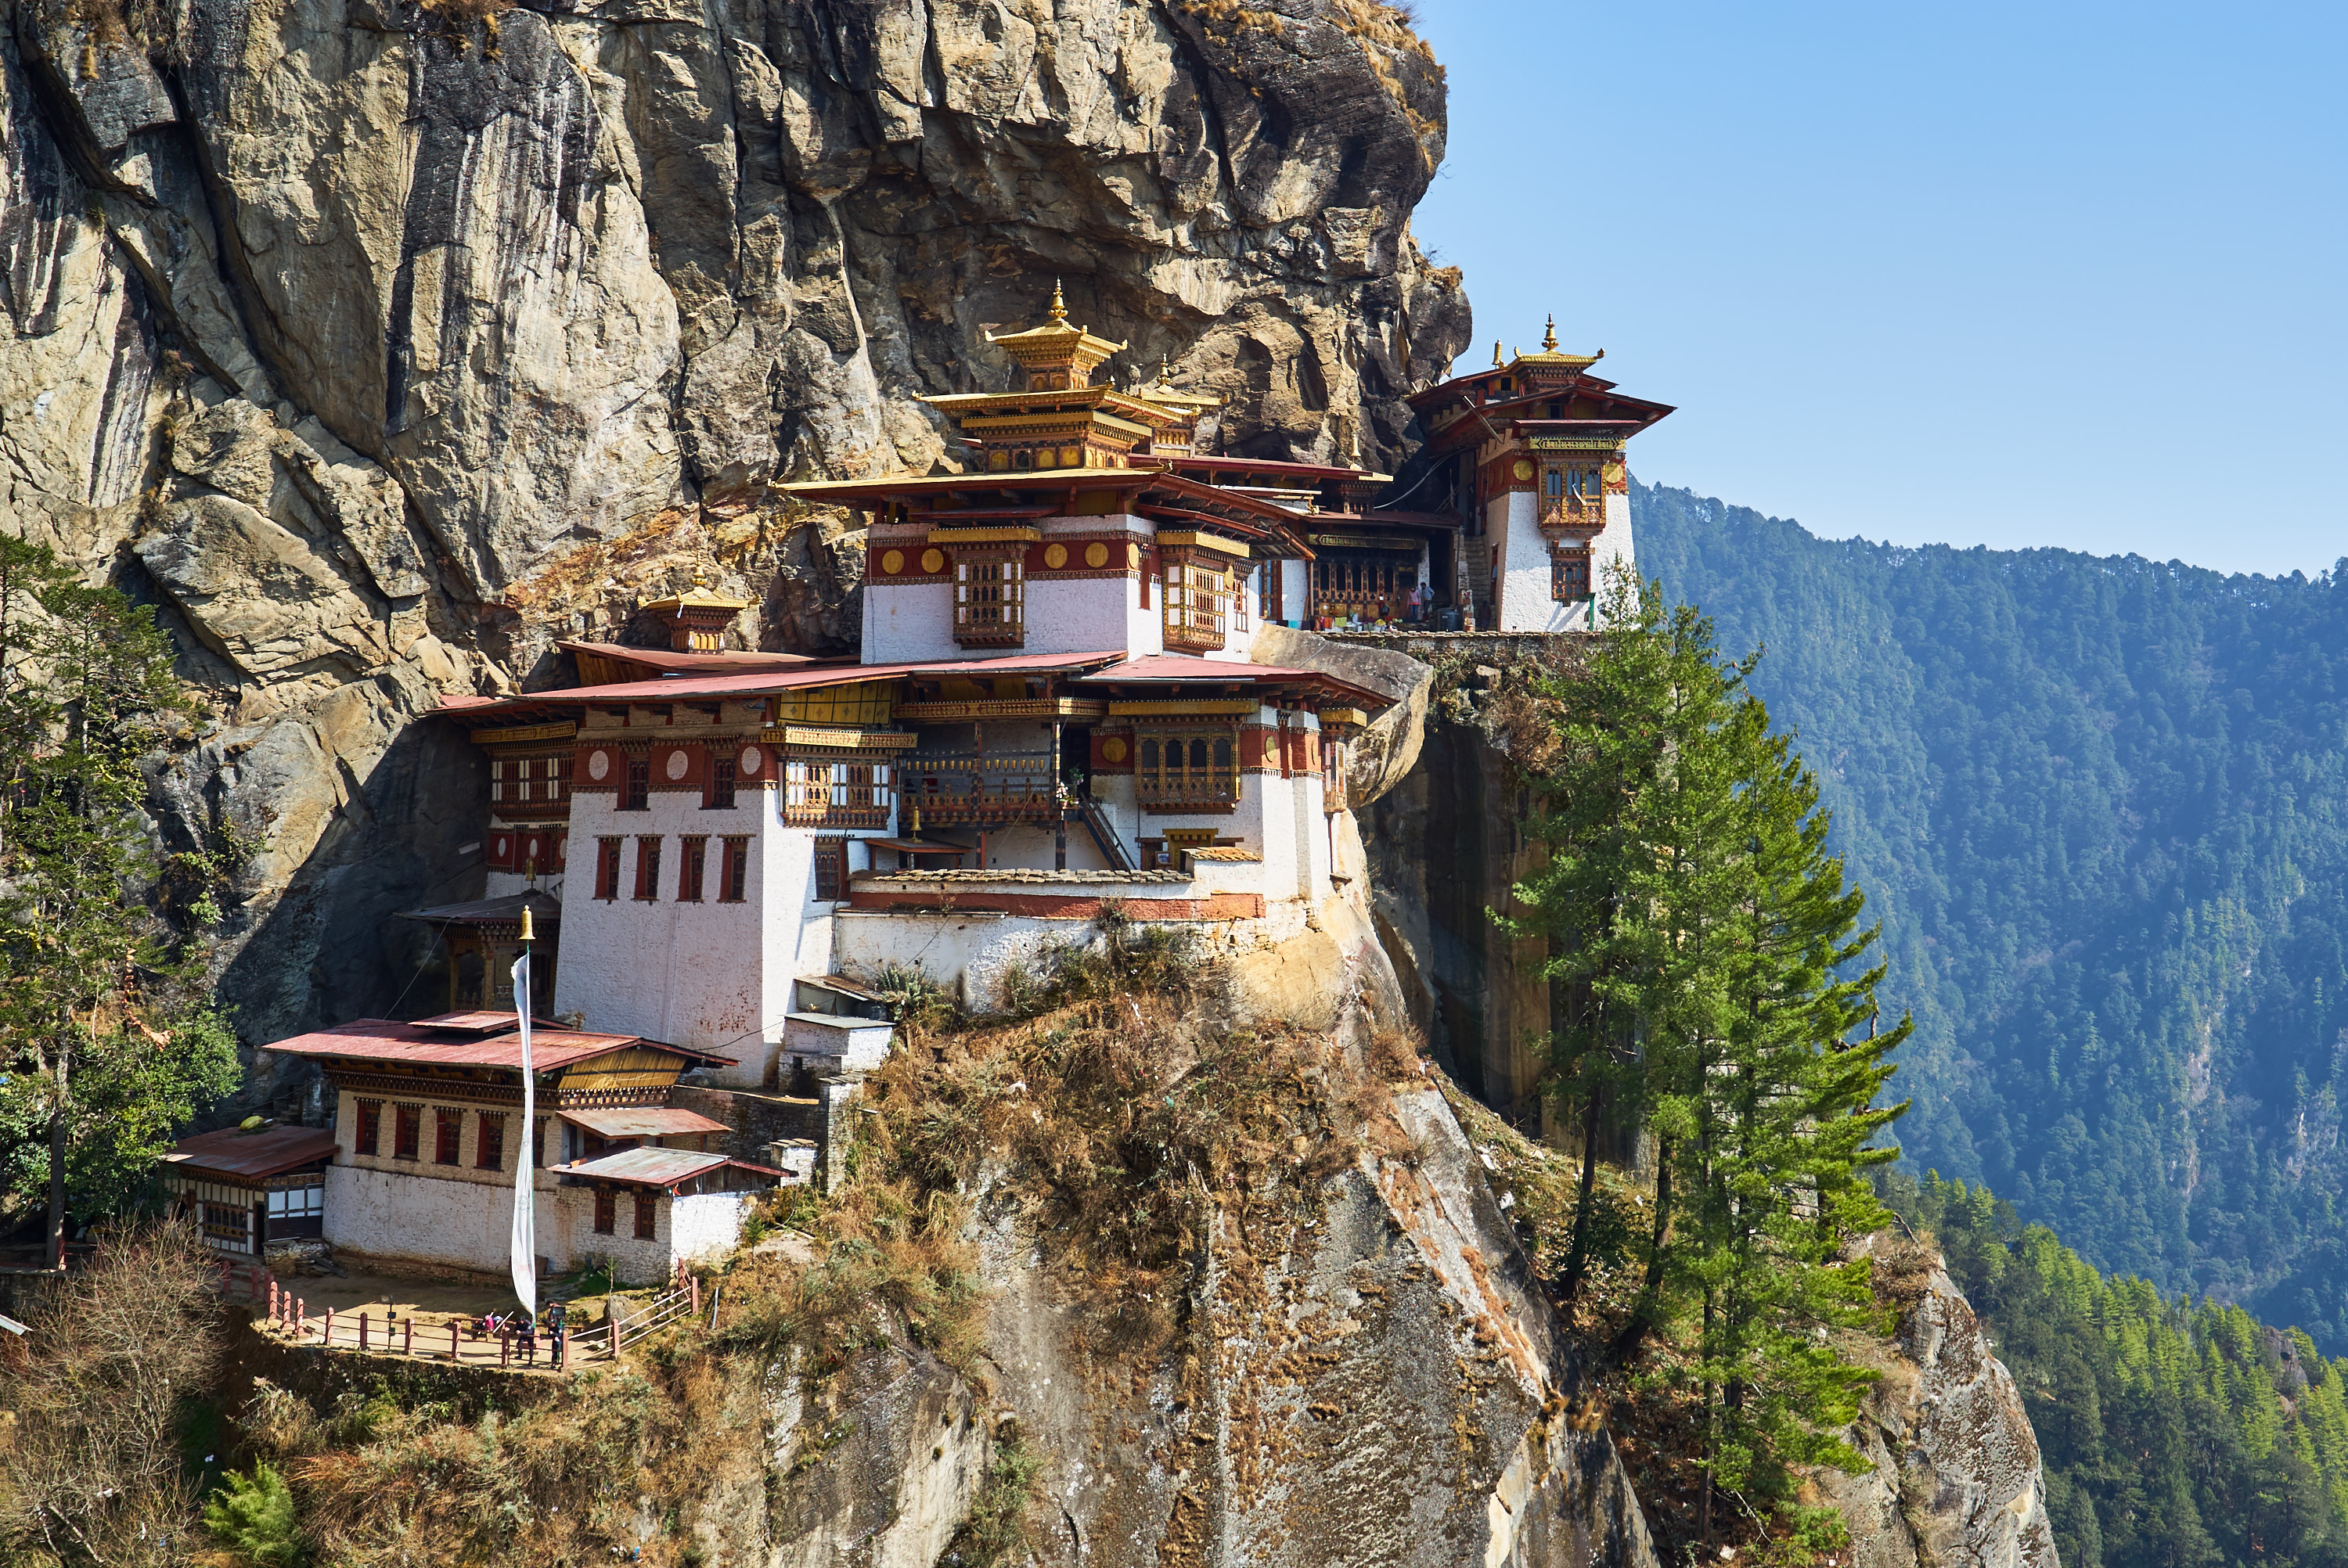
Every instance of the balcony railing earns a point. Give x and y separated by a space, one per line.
981 786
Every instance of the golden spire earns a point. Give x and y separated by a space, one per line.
1059 305
1548 337
1496 353
526 934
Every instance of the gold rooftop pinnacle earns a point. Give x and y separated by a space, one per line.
1057 356
1548 335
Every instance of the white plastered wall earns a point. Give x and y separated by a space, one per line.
689 974
1296 592
420 1217
689 1228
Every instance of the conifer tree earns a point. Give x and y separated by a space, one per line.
107 1042
1705 941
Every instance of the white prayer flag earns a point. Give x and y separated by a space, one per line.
525 1208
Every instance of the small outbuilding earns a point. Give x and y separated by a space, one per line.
246 1189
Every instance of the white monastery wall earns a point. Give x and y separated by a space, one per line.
684 973
908 622
1296 591
1613 546
414 1214
703 1224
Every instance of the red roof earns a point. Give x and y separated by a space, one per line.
1168 668
644 1122
721 664
688 688
381 1040
656 1167
254 1156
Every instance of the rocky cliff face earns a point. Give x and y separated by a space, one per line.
1957 1482
381 344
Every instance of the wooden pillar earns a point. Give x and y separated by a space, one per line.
407 1337
326 1330
453 1353
363 1337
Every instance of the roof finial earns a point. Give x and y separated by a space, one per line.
1059 305
1496 353
1165 370
1549 338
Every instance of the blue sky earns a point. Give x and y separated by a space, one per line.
2001 274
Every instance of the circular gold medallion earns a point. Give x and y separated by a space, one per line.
1056 556
1132 556
1097 555
1113 749
598 764
678 765
1524 469
1612 474
893 562
933 561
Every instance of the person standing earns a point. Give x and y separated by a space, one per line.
558 1318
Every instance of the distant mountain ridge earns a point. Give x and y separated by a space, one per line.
2101 806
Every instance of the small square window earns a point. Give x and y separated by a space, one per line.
607 1210
733 872
408 1132
447 1130
830 870
370 1129
645 1216
689 868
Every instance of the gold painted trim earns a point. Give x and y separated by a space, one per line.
1006 708
1008 536
1202 706
841 740
1199 540
527 733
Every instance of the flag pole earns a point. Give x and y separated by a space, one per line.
525 1207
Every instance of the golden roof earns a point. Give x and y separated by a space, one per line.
1164 393
1549 355
1055 345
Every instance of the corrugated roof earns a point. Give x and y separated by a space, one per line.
545 909
271 1151
725 663
688 688
1188 668
481 1021
381 1040
644 1122
656 1167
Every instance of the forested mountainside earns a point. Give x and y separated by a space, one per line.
2101 806
2172 1434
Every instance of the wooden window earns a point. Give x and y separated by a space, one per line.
635 793
607 868
490 1141
990 600
718 796
733 872
501 775
407 1131
648 858
370 1129
1187 770
830 870
689 869
1568 578
1240 598
1268 607
607 1210
1197 594
1553 484
819 793
447 1135
1370 584
644 1215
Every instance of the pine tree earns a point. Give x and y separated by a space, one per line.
106 1038
1708 945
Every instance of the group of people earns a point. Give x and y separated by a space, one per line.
523 1330
1416 606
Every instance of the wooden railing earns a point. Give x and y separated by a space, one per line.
975 786
461 1341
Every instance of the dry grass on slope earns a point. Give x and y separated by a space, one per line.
1112 1115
